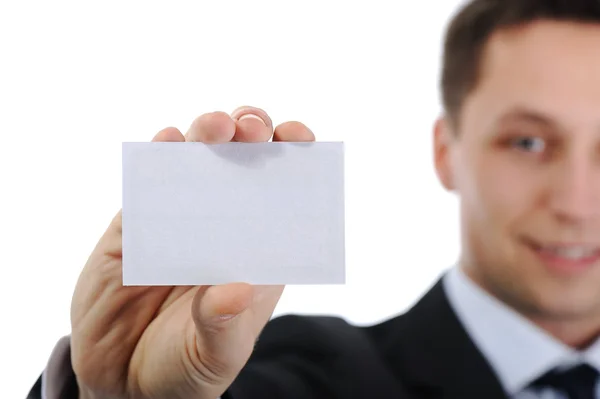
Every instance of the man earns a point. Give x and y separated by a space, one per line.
519 317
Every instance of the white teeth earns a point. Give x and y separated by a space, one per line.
572 252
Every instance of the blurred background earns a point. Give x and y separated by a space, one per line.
79 78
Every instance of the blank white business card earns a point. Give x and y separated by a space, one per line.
261 213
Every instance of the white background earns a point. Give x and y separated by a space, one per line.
78 78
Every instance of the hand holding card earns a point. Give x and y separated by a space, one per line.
187 341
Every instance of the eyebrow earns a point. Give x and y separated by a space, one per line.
522 114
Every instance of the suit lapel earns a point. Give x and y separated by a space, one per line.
433 353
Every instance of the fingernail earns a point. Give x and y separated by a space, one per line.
252 112
251 116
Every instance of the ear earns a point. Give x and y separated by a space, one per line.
443 138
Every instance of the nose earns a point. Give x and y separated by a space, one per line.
575 190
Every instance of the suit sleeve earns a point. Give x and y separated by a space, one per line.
314 357
57 381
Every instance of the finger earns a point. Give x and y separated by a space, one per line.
223 334
293 131
252 125
169 134
211 128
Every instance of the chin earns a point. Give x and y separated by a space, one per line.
559 301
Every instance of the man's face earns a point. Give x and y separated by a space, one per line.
525 163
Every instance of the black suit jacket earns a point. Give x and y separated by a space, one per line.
422 354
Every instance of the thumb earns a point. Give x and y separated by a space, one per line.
224 337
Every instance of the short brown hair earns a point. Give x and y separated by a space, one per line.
470 29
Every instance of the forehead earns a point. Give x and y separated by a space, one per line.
551 68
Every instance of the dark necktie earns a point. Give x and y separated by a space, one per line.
578 382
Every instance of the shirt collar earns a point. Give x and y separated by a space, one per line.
517 350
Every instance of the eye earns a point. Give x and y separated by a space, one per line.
529 144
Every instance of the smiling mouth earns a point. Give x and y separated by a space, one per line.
566 257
